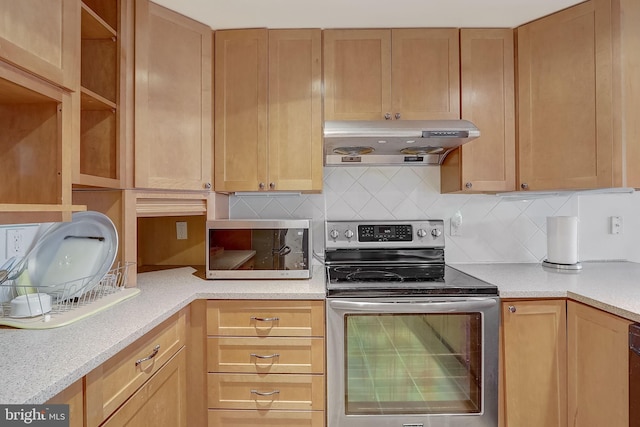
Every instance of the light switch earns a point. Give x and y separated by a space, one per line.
181 230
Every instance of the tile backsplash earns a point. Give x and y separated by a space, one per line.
493 229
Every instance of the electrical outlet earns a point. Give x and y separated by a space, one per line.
181 230
15 242
455 224
615 225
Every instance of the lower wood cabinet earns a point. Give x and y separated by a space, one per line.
534 352
74 397
598 367
265 363
565 364
160 402
133 378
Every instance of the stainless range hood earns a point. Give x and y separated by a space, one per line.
396 142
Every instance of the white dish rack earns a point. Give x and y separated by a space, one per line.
70 301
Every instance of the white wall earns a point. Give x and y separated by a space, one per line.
493 229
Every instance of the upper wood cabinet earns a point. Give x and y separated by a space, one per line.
99 157
566 99
391 74
173 68
487 163
43 38
268 119
535 360
598 367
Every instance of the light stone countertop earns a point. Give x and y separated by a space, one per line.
38 364
35 365
610 286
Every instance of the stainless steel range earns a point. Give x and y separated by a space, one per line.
411 341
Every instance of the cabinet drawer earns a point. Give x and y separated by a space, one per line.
273 391
218 418
272 355
111 384
161 401
266 318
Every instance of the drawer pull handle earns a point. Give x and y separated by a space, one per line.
271 356
153 354
265 319
265 393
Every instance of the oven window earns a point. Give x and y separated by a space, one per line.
413 363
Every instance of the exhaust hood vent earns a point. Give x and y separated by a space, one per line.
397 142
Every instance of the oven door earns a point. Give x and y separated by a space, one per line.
412 362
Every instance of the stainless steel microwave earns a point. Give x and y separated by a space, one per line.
258 249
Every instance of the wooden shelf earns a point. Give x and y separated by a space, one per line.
34 213
92 101
94 27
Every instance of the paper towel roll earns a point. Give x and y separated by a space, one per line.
562 239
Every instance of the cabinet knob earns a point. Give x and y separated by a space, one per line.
397 116
512 309
524 186
207 186
261 186
272 185
387 116
468 185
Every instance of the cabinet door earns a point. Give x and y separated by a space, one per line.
240 110
357 74
487 163
161 401
295 116
565 99
535 363
74 397
42 37
598 374
172 100
425 74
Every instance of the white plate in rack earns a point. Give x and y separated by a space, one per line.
73 257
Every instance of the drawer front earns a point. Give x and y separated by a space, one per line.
273 391
111 384
288 318
272 355
161 401
219 418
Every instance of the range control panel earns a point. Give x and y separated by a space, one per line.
384 234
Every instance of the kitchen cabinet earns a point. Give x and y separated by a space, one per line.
268 124
106 76
535 363
172 100
74 397
148 377
35 118
391 74
566 90
486 164
161 399
565 363
42 37
598 367
265 362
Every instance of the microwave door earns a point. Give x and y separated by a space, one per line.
280 249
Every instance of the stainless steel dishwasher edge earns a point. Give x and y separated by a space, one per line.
634 375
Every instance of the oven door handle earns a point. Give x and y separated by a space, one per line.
412 306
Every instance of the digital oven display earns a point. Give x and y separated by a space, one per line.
384 233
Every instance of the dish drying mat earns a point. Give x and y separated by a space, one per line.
67 308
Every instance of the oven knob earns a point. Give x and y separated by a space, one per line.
422 232
334 234
436 233
348 234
